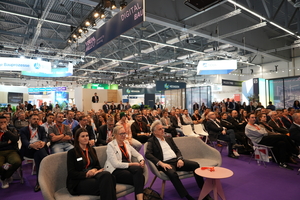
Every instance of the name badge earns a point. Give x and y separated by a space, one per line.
79 159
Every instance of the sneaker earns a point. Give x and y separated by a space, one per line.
4 184
235 153
286 166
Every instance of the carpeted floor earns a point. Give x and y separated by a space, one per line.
249 182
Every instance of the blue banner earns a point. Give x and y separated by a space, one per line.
132 15
165 85
56 89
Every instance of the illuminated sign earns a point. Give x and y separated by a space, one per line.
55 72
216 67
22 64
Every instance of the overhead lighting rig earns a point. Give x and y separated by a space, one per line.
90 21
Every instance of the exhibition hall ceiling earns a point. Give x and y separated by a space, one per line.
167 46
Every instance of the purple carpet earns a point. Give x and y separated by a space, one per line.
249 182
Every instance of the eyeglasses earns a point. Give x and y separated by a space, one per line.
122 134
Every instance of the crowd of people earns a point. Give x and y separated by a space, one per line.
124 130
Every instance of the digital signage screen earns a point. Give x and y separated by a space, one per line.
13 97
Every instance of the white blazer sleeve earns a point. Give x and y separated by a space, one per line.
114 156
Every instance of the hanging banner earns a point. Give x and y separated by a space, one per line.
132 15
54 72
23 64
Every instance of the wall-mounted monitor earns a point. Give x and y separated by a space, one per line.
15 98
216 67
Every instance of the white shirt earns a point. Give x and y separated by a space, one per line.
168 153
36 137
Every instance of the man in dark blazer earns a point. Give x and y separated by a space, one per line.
83 124
196 106
139 129
95 98
276 124
121 106
295 129
217 131
105 107
250 108
170 160
113 107
105 132
34 145
286 119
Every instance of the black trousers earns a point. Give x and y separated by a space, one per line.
133 175
37 155
174 178
103 184
282 144
142 138
171 130
229 138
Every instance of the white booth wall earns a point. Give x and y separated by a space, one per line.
17 89
83 98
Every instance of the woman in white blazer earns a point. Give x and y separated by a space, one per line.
119 153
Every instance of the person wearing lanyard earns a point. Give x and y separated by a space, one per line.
70 121
60 135
105 132
282 150
139 129
34 141
85 176
119 163
9 156
275 123
49 122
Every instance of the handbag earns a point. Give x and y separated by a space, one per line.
150 194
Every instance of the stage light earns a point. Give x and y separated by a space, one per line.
74 35
80 30
96 14
69 40
113 5
87 23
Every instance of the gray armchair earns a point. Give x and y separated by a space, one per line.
192 148
53 176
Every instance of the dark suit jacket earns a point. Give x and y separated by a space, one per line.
147 120
121 107
105 108
12 135
287 122
102 130
213 130
250 108
277 129
135 129
113 108
154 152
25 137
174 121
76 170
95 99
196 106
88 128
295 133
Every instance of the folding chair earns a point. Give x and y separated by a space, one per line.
188 131
266 149
199 129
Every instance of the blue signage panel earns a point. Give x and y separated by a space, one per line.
132 15
48 89
165 85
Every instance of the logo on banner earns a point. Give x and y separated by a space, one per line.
167 86
37 65
128 91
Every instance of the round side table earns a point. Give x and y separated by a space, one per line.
212 181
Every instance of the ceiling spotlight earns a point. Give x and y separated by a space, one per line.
123 4
87 23
113 5
74 35
96 14
102 14
74 40
80 30
85 30
94 23
79 36
69 40
36 51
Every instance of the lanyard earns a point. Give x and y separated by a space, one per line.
70 125
87 157
33 134
141 126
125 153
265 124
254 126
287 118
281 123
276 123
61 131
1 134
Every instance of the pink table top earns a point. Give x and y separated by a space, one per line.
219 173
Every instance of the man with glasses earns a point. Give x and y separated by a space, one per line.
83 123
139 129
60 135
105 132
